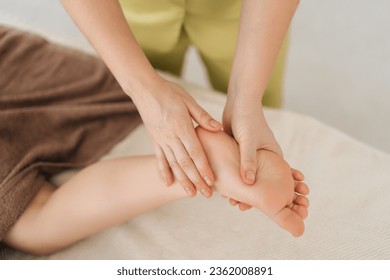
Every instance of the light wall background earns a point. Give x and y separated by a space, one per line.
338 67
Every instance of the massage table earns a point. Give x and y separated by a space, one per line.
348 213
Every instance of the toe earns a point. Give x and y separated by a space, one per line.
233 202
300 210
302 188
298 175
244 206
290 221
302 200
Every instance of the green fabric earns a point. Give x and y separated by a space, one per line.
165 29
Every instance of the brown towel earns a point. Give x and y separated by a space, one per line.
59 109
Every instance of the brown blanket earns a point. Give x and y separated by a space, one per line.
59 109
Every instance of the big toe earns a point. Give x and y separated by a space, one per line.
290 221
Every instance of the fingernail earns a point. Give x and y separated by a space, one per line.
208 181
250 175
214 123
189 191
206 192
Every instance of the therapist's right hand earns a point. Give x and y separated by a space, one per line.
167 111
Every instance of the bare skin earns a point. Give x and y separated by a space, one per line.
110 192
168 111
275 192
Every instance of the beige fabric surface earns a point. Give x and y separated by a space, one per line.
348 218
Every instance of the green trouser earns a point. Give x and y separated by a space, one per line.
165 29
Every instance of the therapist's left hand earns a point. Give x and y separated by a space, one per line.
244 119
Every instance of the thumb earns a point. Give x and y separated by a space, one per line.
202 117
227 122
248 160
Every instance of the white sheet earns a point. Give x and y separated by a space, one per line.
348 219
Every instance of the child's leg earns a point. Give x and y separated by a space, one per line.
113 191
275 191
102 195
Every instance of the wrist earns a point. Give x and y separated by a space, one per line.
244 90
240 96
136 84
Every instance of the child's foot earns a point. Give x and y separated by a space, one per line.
275 191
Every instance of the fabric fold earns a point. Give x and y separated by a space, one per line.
59 108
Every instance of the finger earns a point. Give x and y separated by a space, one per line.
248 159
298 175
179 174
301 188
195 150
163 166
228 130
188 167
226 122
202 117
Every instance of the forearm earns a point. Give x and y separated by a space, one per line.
263 26
104 25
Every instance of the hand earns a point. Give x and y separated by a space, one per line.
167 111
244 120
